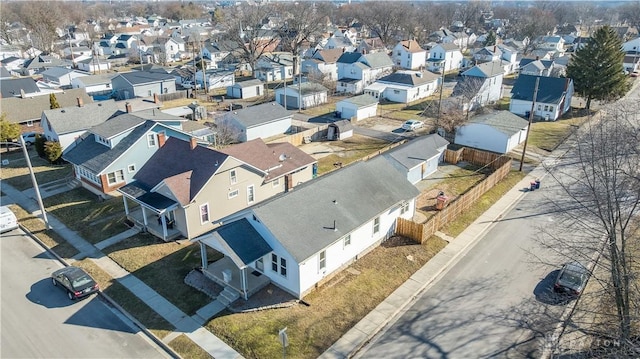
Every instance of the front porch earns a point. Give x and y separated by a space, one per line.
149 221
225 272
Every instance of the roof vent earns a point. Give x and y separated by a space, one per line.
282 157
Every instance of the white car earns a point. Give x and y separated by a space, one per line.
412 125
189 85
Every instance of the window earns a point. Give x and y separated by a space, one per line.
376 225
279 265
166 90
347 240
551 108
322 265
115 177
149 93
131 168
204 213
274 262
546 107
151 140
396 91
404 208
232 177
232 194
276 182
250 194
283 267
260 265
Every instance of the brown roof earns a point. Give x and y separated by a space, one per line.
276 159
412 46
330 56
20 110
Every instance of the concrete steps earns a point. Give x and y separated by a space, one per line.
228 296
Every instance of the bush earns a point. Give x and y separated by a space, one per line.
53 151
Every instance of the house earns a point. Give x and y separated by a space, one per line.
419 157
322 64
487 54
185 190
371 45
246 89
356 71
301 96
339 130
42 62
275 66
510 56
489 75
109 154
260 121
163 49
632 46
27 111
339 217
12 63
95 85
340 42
552 100
444 56
66 124
404 86
215 79
631 62
61 76
142 84
409 55
536 67
22 87
357 107
553 43
94 65
498 132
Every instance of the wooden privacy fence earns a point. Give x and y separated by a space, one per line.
457 206
297 139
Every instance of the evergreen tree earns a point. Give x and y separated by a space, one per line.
491 39
53 151
9 132
53 101
596 68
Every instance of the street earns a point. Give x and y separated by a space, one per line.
495 302
39 321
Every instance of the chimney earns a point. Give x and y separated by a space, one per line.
162 138
155 98
194 143
79 100
537 58
127 106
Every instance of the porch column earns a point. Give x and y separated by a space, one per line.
243 282
126 206
203 255
144 216
164 226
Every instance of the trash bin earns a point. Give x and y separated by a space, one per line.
532 186
441 202
537 184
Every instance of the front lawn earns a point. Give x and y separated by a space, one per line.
547 135
16 173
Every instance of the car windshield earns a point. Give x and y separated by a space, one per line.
81 281
571 278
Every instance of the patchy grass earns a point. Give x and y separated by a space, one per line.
502 104
163 266
456 227
353 149
188 349
16 173
549 135
49 237
333 309
94 220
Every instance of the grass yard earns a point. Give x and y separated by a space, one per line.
353 149
49 237
163 267
81 211
549 135
16 173
188 349
127 300
333 309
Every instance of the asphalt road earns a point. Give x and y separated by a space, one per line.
496 301
39 321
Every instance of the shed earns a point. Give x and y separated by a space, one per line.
340 130
499 132
303 95
246 89
419 157
360 107
260 121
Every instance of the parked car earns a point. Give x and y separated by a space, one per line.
412 125
75 281
8 220
190 85
29 138
571 279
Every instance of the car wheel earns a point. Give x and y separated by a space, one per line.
70 296
55 282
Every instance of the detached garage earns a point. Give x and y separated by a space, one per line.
497 132
360 107
305 95
419 157
246 89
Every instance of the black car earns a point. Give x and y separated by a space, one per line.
76 282
571 279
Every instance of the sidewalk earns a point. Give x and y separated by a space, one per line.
181 321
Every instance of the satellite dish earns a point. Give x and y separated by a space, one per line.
282 157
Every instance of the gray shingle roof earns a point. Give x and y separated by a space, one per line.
503 121
378 60
260 114
417 151
243 242
11 87
143 77
487 69
302 220
362 100
96 79
410 78
116 125
73 118
550 89
24 109
248 83
349 57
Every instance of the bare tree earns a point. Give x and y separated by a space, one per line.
225 132
630 12
42 20
469 13
601 181
468 89
385 19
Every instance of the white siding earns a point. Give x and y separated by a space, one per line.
482 137
267 130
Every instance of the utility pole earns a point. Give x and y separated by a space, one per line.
526 139
35 183
440 100
295 58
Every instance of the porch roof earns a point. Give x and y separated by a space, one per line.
239 241
153 200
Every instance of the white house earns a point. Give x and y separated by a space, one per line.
338 218
356 71
409 55
340 42
275 66
214 79
301 96
246 89
94 84
358 107
419 157
491 75
322 64
632 46
552 100
260 121
447 56
499 132
61 76
404 86
94 65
